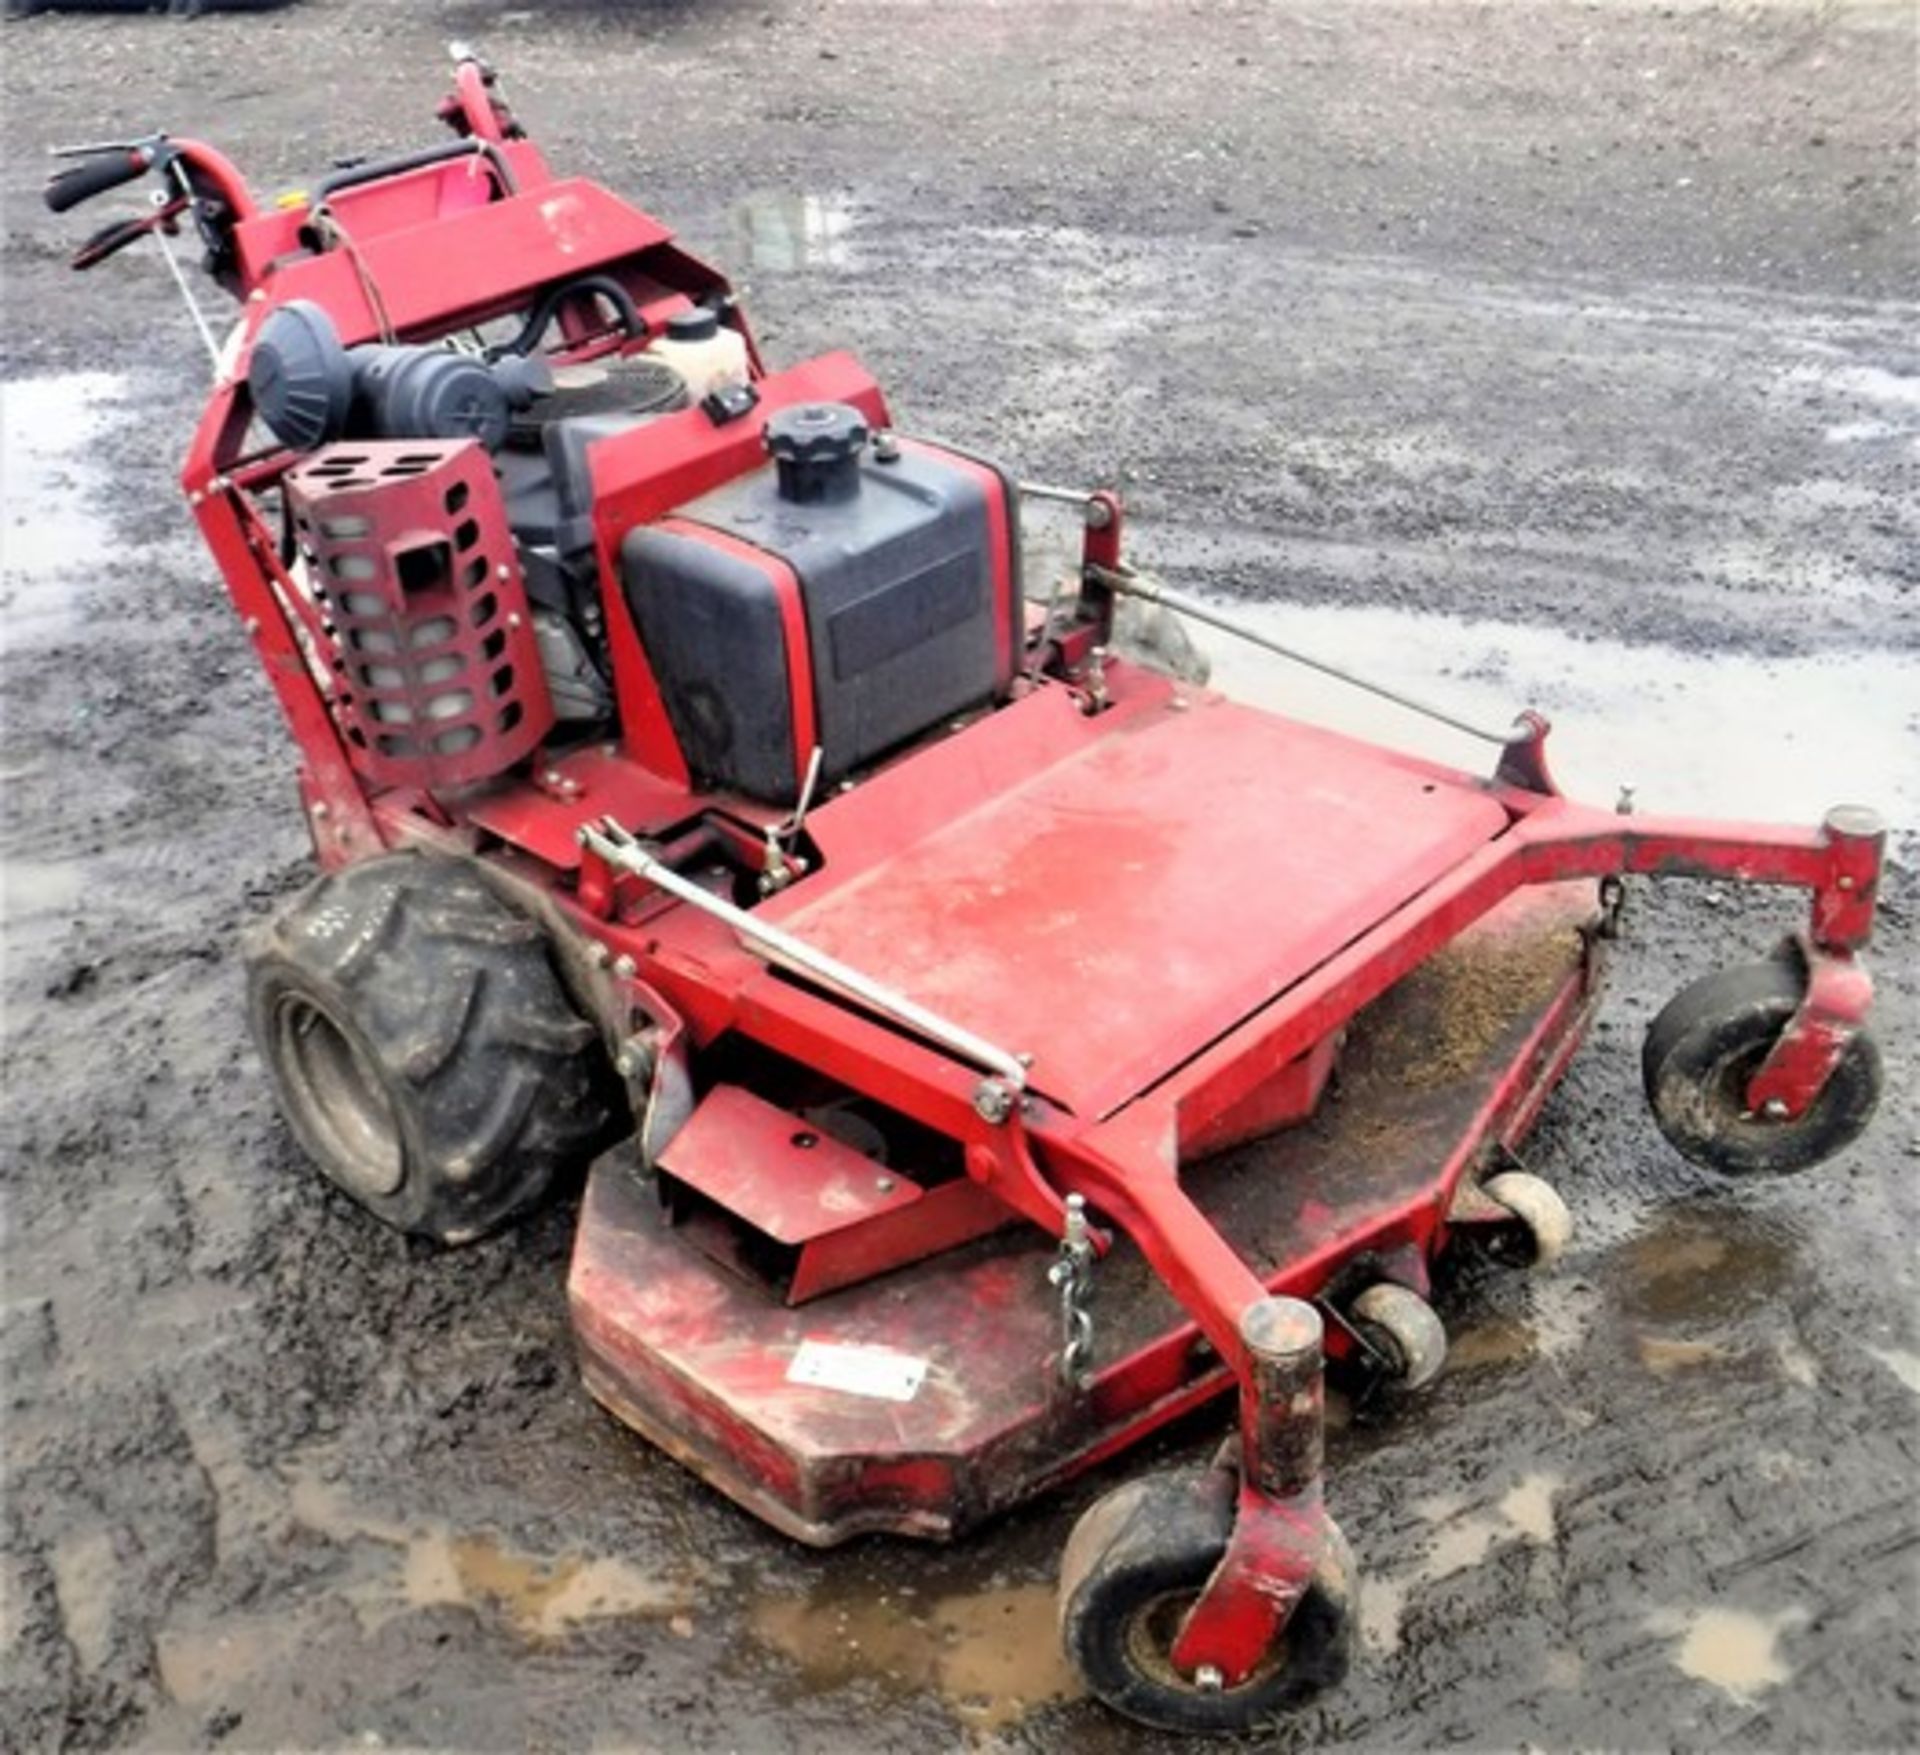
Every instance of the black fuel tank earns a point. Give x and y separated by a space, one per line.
902 556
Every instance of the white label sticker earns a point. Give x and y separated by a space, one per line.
871 1371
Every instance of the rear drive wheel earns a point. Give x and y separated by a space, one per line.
1136 1563
1701 1053
424 1051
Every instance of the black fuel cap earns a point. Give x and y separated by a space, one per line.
816 447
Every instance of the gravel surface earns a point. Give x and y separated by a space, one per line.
1542 321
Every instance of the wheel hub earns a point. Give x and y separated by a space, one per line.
340 1097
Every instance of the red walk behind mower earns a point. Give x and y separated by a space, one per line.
989 1047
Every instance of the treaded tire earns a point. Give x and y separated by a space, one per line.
424 1051
1134 1562
1708 1042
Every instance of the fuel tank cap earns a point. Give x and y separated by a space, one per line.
816 448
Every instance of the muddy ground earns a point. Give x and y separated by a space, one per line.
1554 350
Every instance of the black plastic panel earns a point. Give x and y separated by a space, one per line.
710 622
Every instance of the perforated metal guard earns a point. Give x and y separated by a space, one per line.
436 670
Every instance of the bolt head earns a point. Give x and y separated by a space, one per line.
992 1101
1774 1109
1208 1679
623 966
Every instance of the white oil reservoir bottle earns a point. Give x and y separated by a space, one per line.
703 350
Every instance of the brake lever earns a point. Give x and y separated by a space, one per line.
110 240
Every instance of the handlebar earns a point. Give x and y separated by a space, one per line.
95 176
375 169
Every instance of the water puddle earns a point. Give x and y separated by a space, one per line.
210 1667
992 1655
1460 1539
1723 734
784 233
50 478
85 1574
1904 1365
38 888
1701 1265
1733 1650
1499 1340
431 1565
1664 1356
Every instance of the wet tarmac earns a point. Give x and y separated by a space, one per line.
1591 442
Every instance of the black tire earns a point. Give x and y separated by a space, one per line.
1135 1562
425 1053
1705 1046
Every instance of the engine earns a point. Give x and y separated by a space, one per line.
844 596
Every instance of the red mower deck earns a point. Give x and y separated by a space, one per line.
1446 1071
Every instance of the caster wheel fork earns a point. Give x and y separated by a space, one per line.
1205 1601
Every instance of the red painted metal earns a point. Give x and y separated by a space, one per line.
1839 995
696 1358
1272 1552
423 613
779 1172
1125 907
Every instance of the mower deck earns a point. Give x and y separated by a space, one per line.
1178 862
1450 1065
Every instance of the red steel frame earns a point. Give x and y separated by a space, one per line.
683 978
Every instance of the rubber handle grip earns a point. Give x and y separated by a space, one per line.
94 176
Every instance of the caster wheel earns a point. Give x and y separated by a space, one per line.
1542 1213
1404 1327
1704 1048
1135 1564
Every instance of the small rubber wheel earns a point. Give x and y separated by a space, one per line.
1542 1213
1404 1328
423 1049
1137 1561
1701 1053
